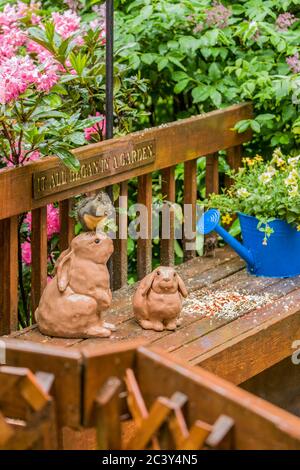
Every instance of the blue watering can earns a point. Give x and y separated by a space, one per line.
280 257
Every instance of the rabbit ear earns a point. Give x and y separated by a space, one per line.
63 270
59 259
181 287
147 283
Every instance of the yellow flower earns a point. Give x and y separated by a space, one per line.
226 219
258 158
298 228
248 161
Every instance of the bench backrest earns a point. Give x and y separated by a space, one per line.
138 155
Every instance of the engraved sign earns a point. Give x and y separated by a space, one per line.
94 168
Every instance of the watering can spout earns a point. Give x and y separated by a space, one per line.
210 221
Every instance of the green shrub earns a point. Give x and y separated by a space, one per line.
199 56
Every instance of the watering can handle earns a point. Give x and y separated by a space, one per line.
210 221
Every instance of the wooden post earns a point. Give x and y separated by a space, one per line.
108 415
120 254
190 199
144 245
67 223
39 255
234 160
8 275
168 192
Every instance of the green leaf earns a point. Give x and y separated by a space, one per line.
148 58
162 63
67 157
214 71
216 98
77 138
255 126
176 62
180 86
200 93
242 125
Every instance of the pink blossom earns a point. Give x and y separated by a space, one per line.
13 13
11 38
285 20
218 15
198 28
99 127
16 75
294 62
26 252
53 221
66 23
48 77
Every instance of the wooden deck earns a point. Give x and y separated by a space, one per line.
253 332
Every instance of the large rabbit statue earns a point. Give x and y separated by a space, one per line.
157 302
72 302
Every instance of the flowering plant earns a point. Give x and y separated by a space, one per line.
52 84
266 190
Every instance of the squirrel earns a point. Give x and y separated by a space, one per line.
92 212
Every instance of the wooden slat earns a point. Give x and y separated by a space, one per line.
63 363
168 193
212 174
144 246
222 436
176 142
67 223
190 198
158 412
100 364
39 255
258 424
8 275
197 435
120 263
234 160
108 415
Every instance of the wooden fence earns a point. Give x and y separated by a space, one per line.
32 187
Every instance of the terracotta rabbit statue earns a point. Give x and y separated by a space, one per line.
72 302
157 302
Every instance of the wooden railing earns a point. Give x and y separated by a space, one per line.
23 190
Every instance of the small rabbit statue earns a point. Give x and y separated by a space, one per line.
72 302
157 302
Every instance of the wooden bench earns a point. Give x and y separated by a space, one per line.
113 392
226 345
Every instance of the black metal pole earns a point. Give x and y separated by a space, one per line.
109 88
109 68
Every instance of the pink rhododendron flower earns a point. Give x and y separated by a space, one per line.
294 63
66 23
18 73
26 252
218 15
285 20
11 38
53 221
13 13
89 132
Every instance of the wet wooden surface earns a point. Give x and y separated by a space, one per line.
234 344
